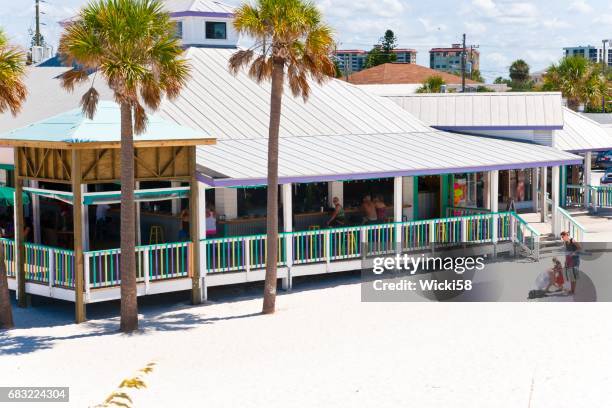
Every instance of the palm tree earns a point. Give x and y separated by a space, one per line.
290 40
433 84
519 71
132 45
12 94
576 78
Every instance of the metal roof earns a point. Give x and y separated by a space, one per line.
231 107
581 134
604 119
198 8
74 127
46 97
355 156
482 111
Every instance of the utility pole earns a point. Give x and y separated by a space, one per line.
603 73
463 65
37 41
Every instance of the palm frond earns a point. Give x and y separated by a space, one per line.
89 102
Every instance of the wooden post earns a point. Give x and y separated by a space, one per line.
77 217
194 223
18 225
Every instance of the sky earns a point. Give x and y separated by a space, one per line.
504 30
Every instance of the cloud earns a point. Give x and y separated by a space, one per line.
604 19
555 23
431 27
347 8
580 6
507 12
475 28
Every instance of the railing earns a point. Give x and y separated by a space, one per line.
575 195
328 245
569 224
596 197
239 253
153 262
600 197
527 236
463 211
8 246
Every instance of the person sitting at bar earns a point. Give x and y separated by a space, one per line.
338 218
369 210
381 208
101 220
211 223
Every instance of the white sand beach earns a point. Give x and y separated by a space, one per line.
324 348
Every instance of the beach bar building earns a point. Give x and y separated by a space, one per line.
344 142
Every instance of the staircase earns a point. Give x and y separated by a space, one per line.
549 245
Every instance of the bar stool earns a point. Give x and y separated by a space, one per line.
156 234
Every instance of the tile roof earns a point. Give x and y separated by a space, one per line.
399 73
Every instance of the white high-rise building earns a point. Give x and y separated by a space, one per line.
590 52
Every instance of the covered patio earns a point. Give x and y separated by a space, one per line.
73 162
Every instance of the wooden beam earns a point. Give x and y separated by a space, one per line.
19 238
172 160
99 155
77 216
144 165
194 226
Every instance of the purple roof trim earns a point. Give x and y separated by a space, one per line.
597 149
229 182
201 14
452 128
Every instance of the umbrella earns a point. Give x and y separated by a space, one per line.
7 195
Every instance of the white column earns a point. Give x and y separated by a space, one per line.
138 222
494 191
335 189
36 213
588 159
534 188
202 229
176 204
84 218
555 199
408 197
287 197
226 202
398 206
487 190
543 194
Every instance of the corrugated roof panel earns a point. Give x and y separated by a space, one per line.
501 110
582 134
334 157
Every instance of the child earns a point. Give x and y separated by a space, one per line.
556 276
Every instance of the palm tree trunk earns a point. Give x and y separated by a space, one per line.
6 314
278 78
129 302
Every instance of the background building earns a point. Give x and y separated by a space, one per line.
589 52
355 60
449 59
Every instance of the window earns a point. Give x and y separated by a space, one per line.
216 30
178 27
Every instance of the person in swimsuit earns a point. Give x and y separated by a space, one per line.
572 260
338 218
369 210
381 208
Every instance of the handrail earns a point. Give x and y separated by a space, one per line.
526 224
